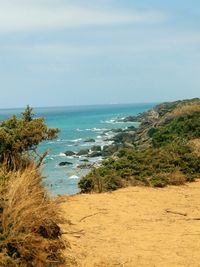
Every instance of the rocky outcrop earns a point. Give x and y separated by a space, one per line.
95 154
85 166
157 116
70 153
96 148
83 152
129 119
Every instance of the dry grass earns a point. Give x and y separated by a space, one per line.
177 178
184 110
29 231
195 145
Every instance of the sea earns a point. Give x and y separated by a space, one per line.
77 125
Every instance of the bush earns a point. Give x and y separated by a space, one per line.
29 232
86 184
19 138
159 181
111 183
184 127
173 164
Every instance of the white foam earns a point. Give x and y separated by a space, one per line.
62 155
76 140
74 177
114 120
51 142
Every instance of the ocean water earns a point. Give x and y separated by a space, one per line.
76 124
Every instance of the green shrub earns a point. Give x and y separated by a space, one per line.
159 181
184 127
112 182
19 138
86 184
143 167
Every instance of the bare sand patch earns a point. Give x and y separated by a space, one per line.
135 227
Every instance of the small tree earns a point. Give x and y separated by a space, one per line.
19 138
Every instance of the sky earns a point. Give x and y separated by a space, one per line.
70 52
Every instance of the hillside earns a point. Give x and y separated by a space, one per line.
134 227
163 150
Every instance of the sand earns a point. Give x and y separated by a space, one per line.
134 227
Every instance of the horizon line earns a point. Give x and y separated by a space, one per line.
82 105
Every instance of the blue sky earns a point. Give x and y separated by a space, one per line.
60 52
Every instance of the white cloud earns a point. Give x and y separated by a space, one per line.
21 15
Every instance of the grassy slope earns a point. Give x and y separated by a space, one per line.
163 154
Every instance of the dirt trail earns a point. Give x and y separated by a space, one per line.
135 227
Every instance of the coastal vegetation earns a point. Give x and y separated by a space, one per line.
160 152
29 231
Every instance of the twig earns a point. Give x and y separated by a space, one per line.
75 232
194 219
121 263
91 215
176 212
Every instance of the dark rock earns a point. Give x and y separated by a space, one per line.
96 148
64 163
95 154
109 150
83 152
118 130
85 166
89 140
84 160
70 153
124 137
131 128
129 119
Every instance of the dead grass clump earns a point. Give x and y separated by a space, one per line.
195 146
177 178
29 231
184 110
173 178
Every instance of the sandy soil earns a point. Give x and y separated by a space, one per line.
135 227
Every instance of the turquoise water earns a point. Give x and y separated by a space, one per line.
76 124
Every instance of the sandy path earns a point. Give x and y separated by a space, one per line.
131 227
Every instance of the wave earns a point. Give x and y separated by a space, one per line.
73 177
92 129
62 155
51 142
112 121
76 140
116 120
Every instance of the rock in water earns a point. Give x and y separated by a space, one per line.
89 140
70 153
64 163
95 154
96 148
85 166
83 152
